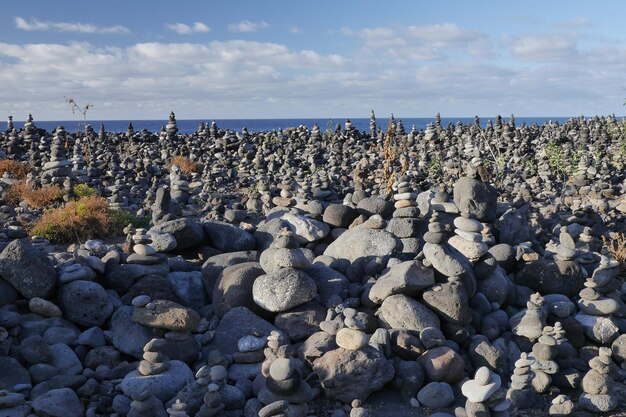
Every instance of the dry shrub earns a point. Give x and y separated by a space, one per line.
18 169
616 247
80 220
87 218
35 197
185 165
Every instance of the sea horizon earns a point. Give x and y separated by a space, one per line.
269 124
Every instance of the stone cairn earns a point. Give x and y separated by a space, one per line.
406 216
598 385
58 169
78 163
544 352
521 393
178 409
143 252
29 132
480 390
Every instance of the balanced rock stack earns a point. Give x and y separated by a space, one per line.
143 252
468 238
544 352
286 195
286 284
405 223
29 132
59 168
521 392
78 163
171 129
179 185
480 390
285 390
598 385
596 306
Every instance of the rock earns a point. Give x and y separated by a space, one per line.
237 323
44 307
28 270
350 339
188 288
361 241
346 375
61 402
436 395
328 281
163 386
370 206
339 215
302 321
443 364
283 290
213 267
552 277
187 232
85 303
163 242
477 198
127 335
228 238
168 315
306 229
234 288
407 278
401 312
12 373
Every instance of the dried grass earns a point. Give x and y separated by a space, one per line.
35 197
18 169
186 166
80 220
616 247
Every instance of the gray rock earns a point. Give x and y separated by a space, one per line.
189 288
61 402
235 324
127 336
401 312
85 303
361 241
436 395
408 278
228 238
28 270
283 290
65 360
187 232
328 281
306 229
375 205
12 373
234 288
163 242
347 375
163 386
477 198
214 266
339 215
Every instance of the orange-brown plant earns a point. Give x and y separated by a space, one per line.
18 169
616 246
35 197
186 166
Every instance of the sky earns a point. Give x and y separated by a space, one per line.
303 59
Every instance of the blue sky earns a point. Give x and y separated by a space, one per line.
283 59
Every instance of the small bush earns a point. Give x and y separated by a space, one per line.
86 218
185 165
83 190
34 197
122 218
18 169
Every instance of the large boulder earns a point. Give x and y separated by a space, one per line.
339 215
408 278
228 238
306 229
28 270
213 267
163 386
85 303
62 402
552 277
362 241
347 375
401 312
164 314
283 290
187 232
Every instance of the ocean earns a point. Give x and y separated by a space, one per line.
257 125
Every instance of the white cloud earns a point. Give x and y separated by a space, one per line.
185 29
544 47
37 25
295 29
575 23
247 26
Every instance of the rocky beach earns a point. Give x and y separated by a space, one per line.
463 270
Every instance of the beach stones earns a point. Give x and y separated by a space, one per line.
85 303
401 312
477 198
228 238
443 364
363 242
482 387
597 384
